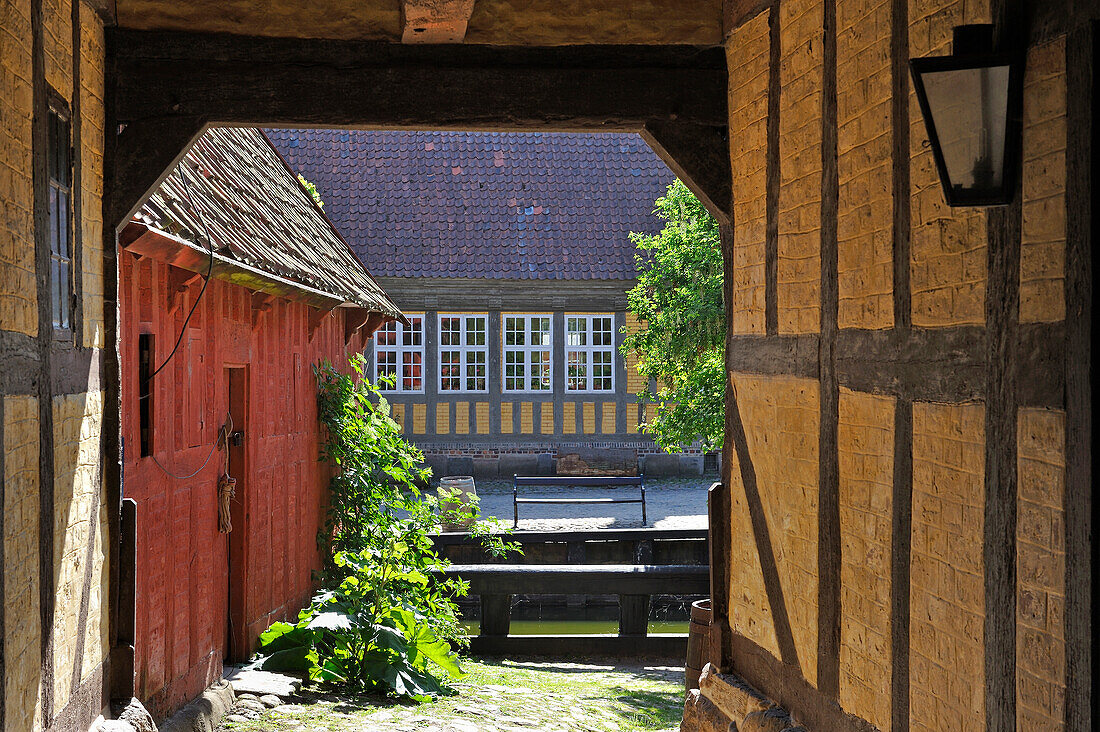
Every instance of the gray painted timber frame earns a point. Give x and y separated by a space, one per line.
432 296
167 87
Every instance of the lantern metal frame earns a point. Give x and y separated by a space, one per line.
1005 192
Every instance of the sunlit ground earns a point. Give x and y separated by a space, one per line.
505 696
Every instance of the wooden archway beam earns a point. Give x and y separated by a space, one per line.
435 21
699 155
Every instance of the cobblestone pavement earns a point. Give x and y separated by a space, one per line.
495 696
671 503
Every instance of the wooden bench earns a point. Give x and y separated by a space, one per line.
576 481
495 584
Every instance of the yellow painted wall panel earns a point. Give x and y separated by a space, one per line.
462 418
547 411
78 495
506 419
397 411
747 59
947 595
608 423
588 417
865 216
526 418
420 420
442 418
18 298
22 631
865 437
482 413
800 78
1043 234
1040 570
92 55
780 415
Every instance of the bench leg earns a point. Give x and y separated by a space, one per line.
496 614
633 614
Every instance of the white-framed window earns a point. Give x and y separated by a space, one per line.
527 352
590 352
463 352
399 354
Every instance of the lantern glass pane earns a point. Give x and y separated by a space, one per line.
969 109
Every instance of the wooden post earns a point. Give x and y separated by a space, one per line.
633 614
496 614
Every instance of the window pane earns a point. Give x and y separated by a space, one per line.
450 332
411 377
577 374
540 331
475 331
575 332
601 331
387 335
414 334
63 224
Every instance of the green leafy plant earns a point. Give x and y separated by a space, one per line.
360 634
386 619
680 346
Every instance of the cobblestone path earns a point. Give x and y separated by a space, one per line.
495 696
671 503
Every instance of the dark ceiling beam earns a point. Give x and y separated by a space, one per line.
435 21
699 155
145 153
294 82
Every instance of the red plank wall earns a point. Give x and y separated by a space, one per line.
182 560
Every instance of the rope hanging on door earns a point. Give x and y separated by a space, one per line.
227 485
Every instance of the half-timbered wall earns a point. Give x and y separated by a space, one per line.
904 490
498 433
54 583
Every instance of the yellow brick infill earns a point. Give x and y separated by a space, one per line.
800 130
866 450
747 54
947 601
1041 575
780 418
1043 234
22 619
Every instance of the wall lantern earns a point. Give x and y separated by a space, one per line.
971 104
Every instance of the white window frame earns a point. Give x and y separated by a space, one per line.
400 348
467 352
589 350
527 350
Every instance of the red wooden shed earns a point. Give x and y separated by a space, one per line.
227 359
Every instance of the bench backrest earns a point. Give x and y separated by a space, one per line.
578 480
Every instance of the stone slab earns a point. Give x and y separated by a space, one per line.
261 682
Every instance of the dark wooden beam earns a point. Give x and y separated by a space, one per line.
435 21
145 152
223 79
699 155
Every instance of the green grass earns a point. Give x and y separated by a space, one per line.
596 697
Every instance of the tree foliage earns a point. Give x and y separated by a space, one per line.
680 345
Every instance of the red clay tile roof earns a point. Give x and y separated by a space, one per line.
480 204
256 212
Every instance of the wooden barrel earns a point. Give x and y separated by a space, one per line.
464 484
698 642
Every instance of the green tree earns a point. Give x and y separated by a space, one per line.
678 300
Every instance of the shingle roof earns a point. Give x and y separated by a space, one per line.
480 204
257 213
